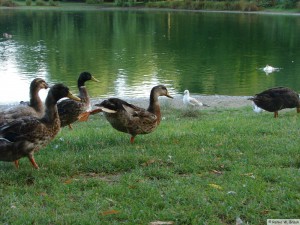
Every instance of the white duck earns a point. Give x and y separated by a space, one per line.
190 101
269 69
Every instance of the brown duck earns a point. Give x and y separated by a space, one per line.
34 107
26 135
68 109
131 119
277 98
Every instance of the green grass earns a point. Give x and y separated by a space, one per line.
205 167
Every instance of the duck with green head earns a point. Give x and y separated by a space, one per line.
68 109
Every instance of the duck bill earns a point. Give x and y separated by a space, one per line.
94 79
103 109
168 95
71 96
107 110
45 86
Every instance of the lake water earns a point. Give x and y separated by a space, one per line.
131 51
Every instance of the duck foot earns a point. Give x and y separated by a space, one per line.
31 159
132 139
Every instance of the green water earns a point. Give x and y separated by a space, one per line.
131 51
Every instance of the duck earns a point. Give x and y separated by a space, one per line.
132 119
7 36
269 69
34 107
277 98
68 109
26 135
190 101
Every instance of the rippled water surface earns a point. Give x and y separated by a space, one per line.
131 51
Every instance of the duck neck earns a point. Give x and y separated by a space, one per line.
35 101
154 106
83 94
80 83
51 113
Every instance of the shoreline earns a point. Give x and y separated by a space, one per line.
86 7
214 101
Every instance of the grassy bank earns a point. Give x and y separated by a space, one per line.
206 167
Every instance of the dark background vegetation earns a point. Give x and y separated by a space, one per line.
235 5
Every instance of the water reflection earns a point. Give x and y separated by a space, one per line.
15 80
132 51
138 88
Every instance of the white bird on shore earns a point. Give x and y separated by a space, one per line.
256 108
190 101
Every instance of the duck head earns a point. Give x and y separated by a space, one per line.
85 76
38 83
59 91
160 90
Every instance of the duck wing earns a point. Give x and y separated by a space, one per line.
128 118
69 110
14 113
22 136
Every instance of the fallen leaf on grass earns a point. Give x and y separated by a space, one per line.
110 212
265 212
43 194
217 172
248 175
149 162
216 186
219 144
161 223
68 181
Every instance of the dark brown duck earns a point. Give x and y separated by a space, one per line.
277 98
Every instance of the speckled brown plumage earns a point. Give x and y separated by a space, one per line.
131 119
35 106
26 135
277 98
68 109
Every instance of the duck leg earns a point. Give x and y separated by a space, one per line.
31 159
16 163
276 114
132 139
